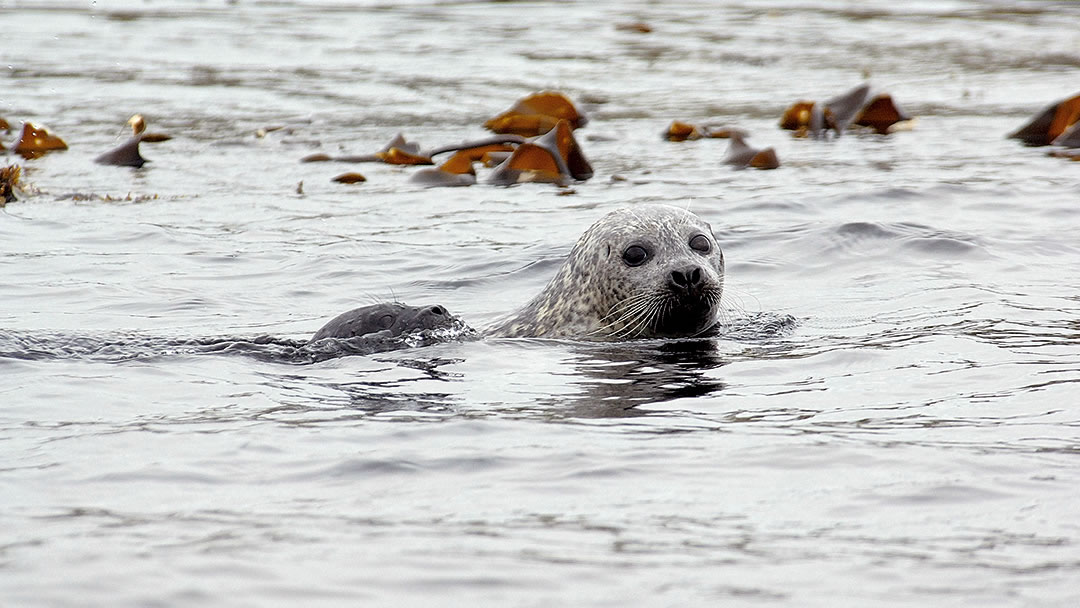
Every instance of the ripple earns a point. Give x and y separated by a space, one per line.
885 418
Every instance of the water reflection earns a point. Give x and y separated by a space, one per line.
391 387
614 379
601 380
376 397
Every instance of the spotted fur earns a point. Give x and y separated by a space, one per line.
597 295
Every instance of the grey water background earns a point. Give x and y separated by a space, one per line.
914 441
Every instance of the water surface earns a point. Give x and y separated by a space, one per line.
914 440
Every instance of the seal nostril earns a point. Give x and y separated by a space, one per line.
686 278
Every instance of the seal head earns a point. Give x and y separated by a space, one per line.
384 320
649 271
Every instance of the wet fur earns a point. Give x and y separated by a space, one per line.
596 295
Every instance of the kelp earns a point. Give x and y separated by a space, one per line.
349 178
35 142
554 157
537 114
398 151
1054 125
837 115
127 154
456 171
681 131
742 155
9 182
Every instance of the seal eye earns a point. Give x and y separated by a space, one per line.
635 255
700 243
386 321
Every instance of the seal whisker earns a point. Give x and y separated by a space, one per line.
656 312
638 312
663 311
620 306
642 321
625 308
608 290
649 316
630 316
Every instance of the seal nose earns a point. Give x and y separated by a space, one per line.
683 280
433 316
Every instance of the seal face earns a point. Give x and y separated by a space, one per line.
384 320
650 271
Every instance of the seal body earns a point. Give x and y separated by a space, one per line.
384 320
648 271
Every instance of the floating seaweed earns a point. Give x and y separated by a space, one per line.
838 114
9 182
639 27
537 114
741 155
399 156
35 142
881 114
681 131
480 147
554 157
344 178
264 131
1070 138
551 155
127 154
456 171
1067 154
530 163
1054 125
108 198
398 151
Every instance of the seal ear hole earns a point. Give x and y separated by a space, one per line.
701 243
386 321
438 310
635 255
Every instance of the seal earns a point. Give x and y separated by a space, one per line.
384 320
648 271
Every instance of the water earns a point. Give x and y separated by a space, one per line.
913 441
